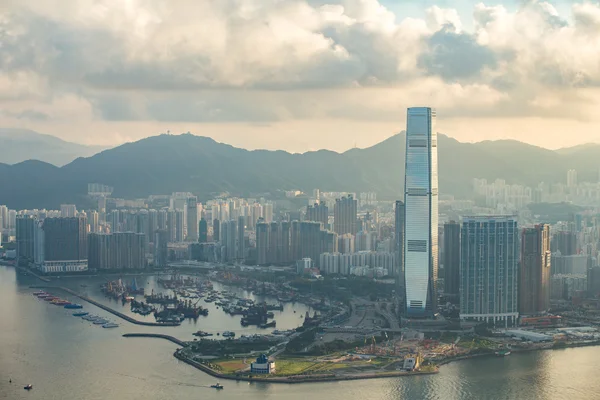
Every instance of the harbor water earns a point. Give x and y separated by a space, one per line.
66 358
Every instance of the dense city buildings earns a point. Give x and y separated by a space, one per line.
421 213
489 270
345 215
318 212
451 260
534 282
61 244
117 251
564 242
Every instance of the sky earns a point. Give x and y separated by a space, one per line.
301 75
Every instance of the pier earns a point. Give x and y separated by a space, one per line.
106 308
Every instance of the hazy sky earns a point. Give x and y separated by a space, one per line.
300 75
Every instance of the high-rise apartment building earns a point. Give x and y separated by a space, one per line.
216 230
68 210
241 239
318 212
122 250
565 242
192 219
262 242
25 225
345 212
571 178
161 239
451 259
489 270
94 219
203 231
534 282
421 213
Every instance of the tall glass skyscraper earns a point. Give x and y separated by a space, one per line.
421 213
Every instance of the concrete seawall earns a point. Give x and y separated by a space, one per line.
156 335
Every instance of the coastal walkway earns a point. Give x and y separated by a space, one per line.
156 335
106 308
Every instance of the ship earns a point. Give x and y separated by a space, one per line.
217 386
271 324
80 314
202 334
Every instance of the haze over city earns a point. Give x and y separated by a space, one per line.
300 75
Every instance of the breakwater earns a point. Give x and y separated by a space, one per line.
106 308
156 335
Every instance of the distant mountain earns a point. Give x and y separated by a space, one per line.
22 144
167 163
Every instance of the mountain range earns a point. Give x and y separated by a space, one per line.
168 163
23 144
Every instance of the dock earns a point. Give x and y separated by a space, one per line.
105 308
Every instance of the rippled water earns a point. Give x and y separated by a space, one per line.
66 358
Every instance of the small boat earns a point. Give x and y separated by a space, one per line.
80 314
503 353
217 386
28 387
39 292
228 334
110 325
101 321
73 306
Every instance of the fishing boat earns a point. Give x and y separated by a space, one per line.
28 387
217 386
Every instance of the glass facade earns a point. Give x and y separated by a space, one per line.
421 213
488 273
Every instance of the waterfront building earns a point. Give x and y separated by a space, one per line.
489 270
203 231
345 215
25 241
262 365
421 213
61 244
318 212
534 282
451 260
121 250
303 265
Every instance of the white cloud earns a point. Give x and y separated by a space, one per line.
235 61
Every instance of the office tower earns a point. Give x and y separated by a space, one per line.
262 242
489 270
203 231
68 210
534 282
344 215
179 225
25 239
318 212
421 213
94 222
571 178
122 250
451 259
216 230
399 247
565 242
241 242
192 219
161 238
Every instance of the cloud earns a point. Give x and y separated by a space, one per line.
263 61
